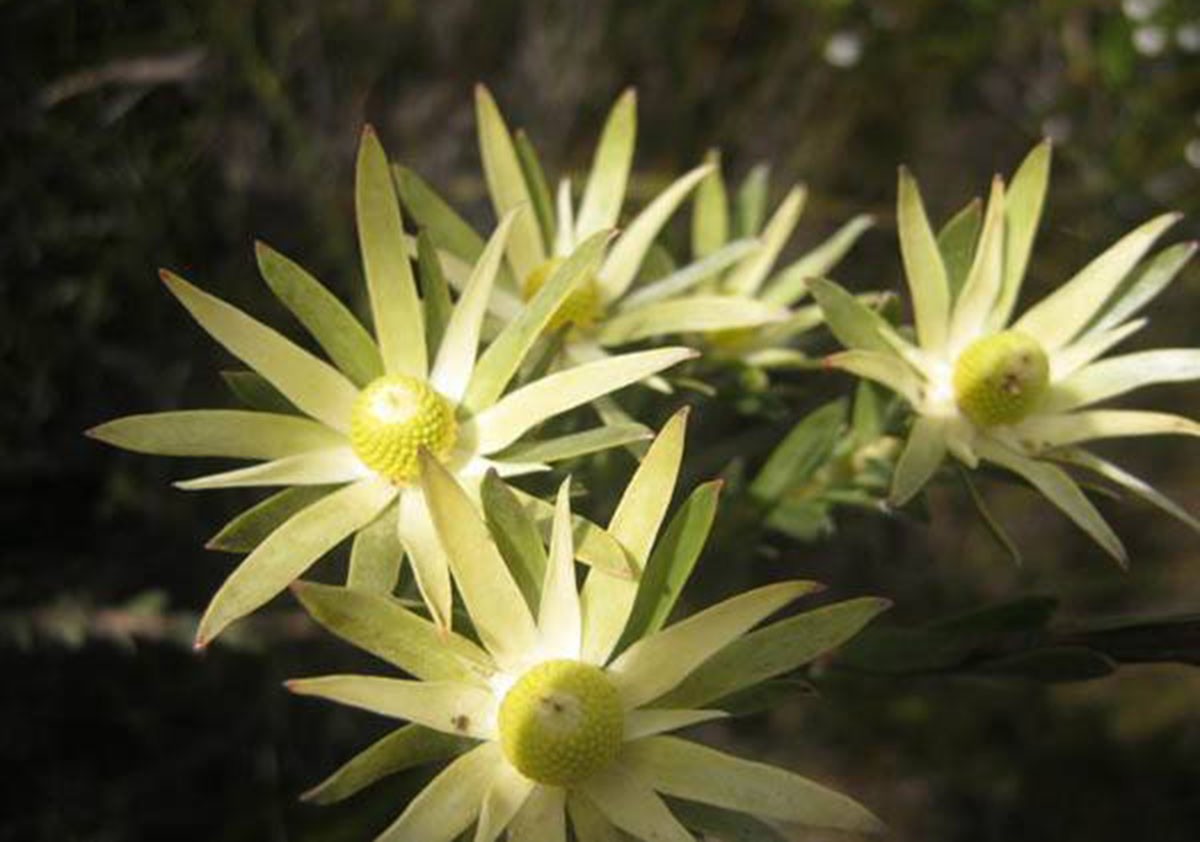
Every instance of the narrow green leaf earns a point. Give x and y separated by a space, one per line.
671 563
956 242
517 537
677 281
404 748
435 293
710 210
451 802
395 307
773 651
748 276
1023 213
1135 486
445 227
692 314
698 773
235 433
994 527
604 193
1053 664
575 444
801 453
376 556
380 625
336 330
608 599
923 266
850 321
314 467
497 365
1058 318
976 301
251 527
750 203
594 546
291 549
256 392
886 369
535 180
497 608
506 185
1142 286
726 825
923 454
310 383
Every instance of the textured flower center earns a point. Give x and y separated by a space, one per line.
561 722
1000 378
393 418
580 309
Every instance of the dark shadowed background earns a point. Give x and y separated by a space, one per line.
142 134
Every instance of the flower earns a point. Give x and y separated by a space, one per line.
1018 394
717 220
606 310
541 720
361 424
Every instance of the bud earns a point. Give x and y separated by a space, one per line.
999 379
393 418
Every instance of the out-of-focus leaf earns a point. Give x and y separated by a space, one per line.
404 748
535 180
766 695
1052 664
804 520
576 444
446 228
750 203
710 210
247 530
995 528
517 537
801 452
726 825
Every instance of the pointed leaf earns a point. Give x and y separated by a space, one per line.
495 604
801 453
456 357
956 242
404 748
574 445
445 227
316 387
688 770
693 314
451 802
558 614
503 356
928 283
791 283
1118 375
431 569
747 277
1056 319
922 455
502 424
976 301
336 330
646 723
750 203
593 546
543 818
710 210
251 527
671 563
627 253
452 708
681 280
607 600
605 190
772 651
630 804
1143 286
654 665
237 434
535 181
376 556
726 825
516 536
506 185
850 321
1126 480
314 467
1060 490
1046 431
501 802
395 307
256 392
435 293
291 549
1022 215
885 369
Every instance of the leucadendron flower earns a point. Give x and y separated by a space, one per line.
606 309
361 422
563 707
717 221
1018 394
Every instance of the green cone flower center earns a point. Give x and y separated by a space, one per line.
393 418
580 309
561 722
1000 378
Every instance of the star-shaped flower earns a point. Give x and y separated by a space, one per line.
541 719
361 424
608 309
1018 394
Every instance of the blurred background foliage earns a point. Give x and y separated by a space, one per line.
138 135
